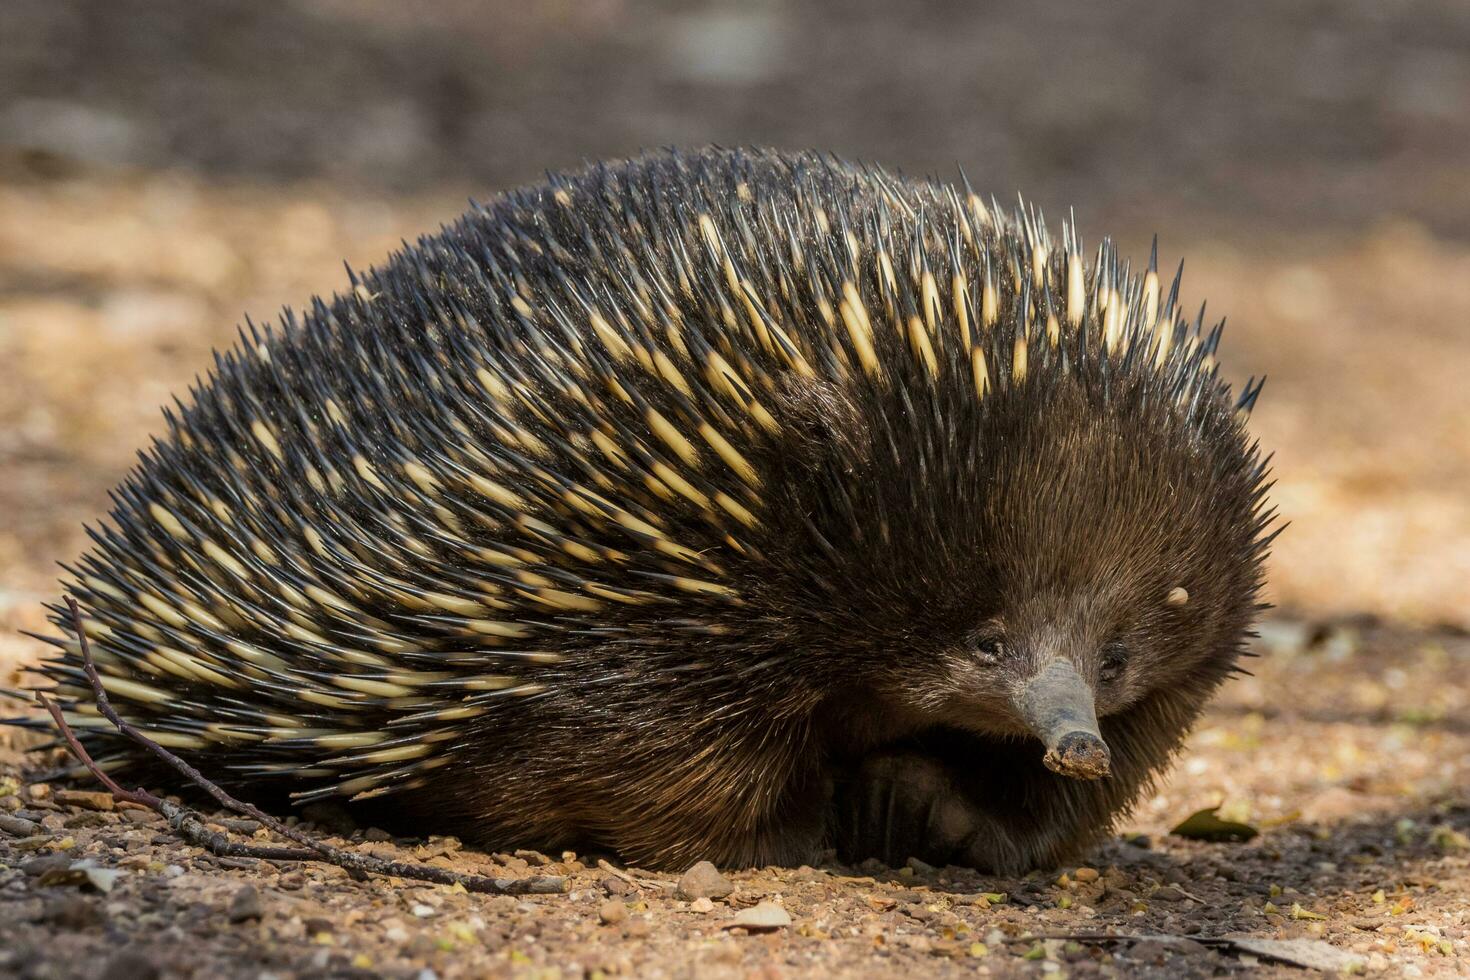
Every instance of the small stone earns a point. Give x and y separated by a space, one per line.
1168 893
83 819
38 791
72 912
131 964
920 867
316 926
132 815
376 835
86 799
760 918
1148 951
702 905
245 905
1313 954
612 912
704 881
41 865
421 911
1086 875
422 945
639 929
615 886
18 826
102 879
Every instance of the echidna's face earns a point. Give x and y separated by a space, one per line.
1086 554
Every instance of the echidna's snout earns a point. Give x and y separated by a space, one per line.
1057 705
1080 755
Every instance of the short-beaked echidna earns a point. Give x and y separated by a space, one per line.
727 505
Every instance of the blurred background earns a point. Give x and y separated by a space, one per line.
167 166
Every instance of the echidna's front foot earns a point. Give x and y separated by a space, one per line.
898 805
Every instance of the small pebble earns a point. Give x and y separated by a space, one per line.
612 912
72 912
131 964
761 918
245 904
51 862
88 818
18 826
86 799
702 906
1168 893
704 881
1085 875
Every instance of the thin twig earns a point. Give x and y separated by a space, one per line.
629 878
184 823
192 829
1121 937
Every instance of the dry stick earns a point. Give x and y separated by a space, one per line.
184 823
630 879
1100 938
356 864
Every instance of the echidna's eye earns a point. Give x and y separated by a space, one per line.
990 649
1114 659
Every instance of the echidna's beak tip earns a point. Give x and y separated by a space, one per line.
1081 755
1057 705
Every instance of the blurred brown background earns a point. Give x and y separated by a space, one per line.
167 166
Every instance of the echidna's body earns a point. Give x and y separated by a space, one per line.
720 506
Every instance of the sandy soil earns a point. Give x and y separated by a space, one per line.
1347 750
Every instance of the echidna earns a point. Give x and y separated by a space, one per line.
727 505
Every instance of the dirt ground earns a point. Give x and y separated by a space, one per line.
1348 750
167 166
